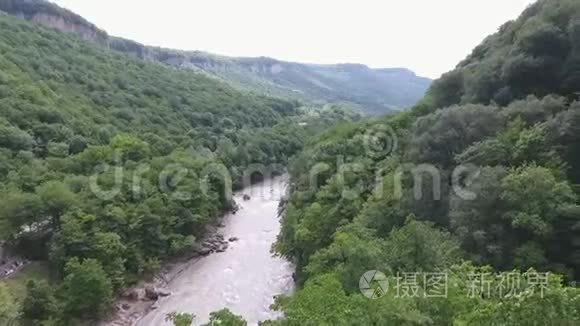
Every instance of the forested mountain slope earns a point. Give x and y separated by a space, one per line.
110 164
480 178
374 91
538 53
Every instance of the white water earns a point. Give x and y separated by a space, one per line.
246 277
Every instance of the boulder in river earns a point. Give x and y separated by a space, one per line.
247 197
163 293
213 245
131 295
205 251
151 293
233 239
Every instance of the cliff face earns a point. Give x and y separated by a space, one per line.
50 15
60 23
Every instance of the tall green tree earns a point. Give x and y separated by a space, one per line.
86 289
40 301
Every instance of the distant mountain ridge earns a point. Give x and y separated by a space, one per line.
374 91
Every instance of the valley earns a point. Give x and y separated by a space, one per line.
371 91
148 186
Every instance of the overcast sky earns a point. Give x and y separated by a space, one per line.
427 36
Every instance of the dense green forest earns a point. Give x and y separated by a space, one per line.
480 178
477 185
86 133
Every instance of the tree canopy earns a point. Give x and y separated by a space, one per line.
483 180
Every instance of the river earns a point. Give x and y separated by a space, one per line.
246 277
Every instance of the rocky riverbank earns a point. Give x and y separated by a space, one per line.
140 299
